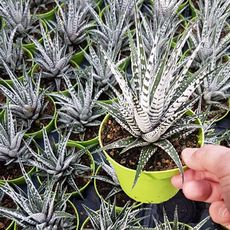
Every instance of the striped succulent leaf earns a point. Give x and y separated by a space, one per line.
175 224
215 89
73 21
52 57
78 110
11 140
212 19
154 101
111 32
61 163
108 218
26 101
17 14
11 51
38 208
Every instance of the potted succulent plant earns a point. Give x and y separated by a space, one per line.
14 55
29 104
149 118
175 224
16 14
13 146
73 24
53 60
71 166
39 208
107 217
78 111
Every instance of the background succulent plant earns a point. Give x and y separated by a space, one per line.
38 208
16 13
108 218
52 57
63 164
26 100
212 29
73 22
12 143
79 110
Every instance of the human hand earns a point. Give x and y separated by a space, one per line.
208 179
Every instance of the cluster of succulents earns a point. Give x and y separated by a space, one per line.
66 64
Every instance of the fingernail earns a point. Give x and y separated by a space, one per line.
187 154
177 181
223 212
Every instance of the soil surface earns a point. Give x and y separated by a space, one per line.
42 10
11 171
6 202
158 162
104 189
40 123
90 133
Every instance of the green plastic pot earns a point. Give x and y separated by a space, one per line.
9 82
152 186
49 127
92 166
118 208
75 211
17 181
48 16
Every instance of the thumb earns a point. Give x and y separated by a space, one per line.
211 158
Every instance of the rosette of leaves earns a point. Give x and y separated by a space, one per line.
175 224
73 22
78 110
52 57
156 26
58 161
113 25
101 72
108 218
212 29
152 104
12 143
26 100
16 13
10 52
38 208
215 91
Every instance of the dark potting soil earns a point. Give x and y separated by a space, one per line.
40 123
42 10
2 98
71 211
104 189
90 133
158 162
11 171
50 81
6 202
